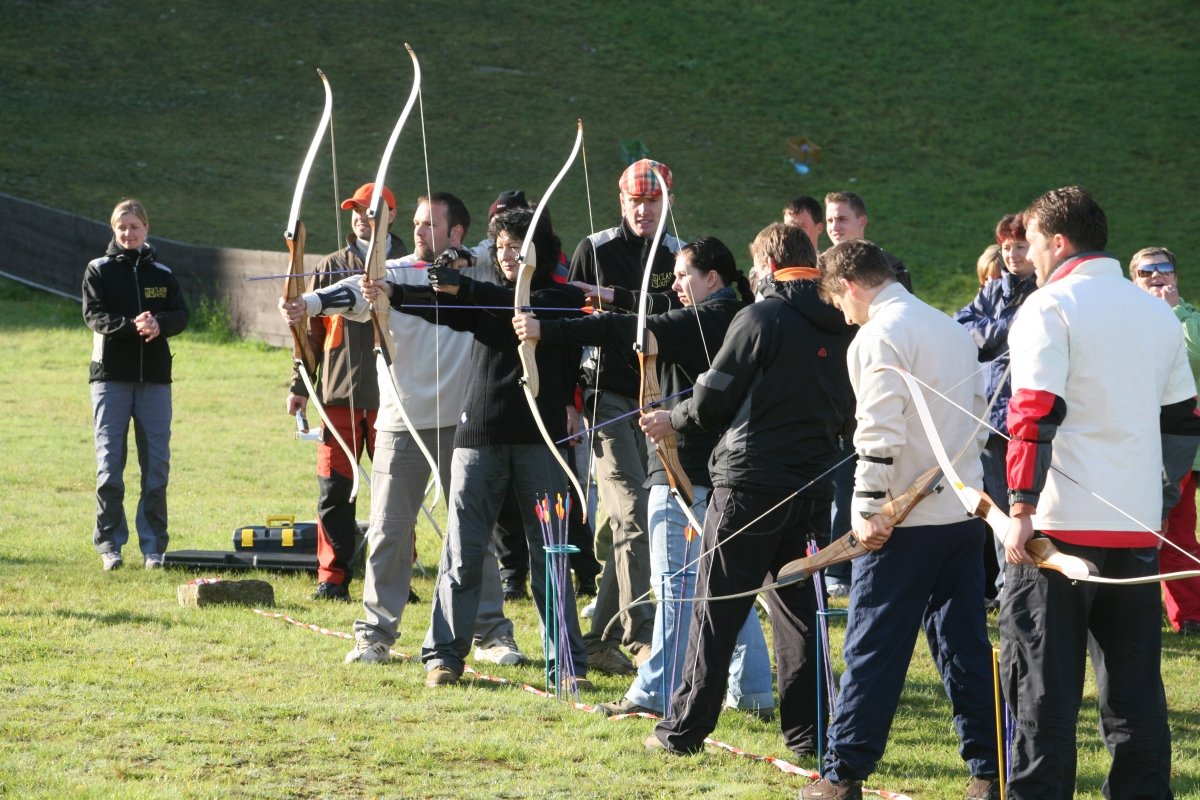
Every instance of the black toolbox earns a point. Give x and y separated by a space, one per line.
207 560
280 534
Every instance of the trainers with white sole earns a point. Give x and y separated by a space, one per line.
368 651
502 650
111 561
153 561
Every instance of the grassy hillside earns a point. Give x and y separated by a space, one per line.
943 115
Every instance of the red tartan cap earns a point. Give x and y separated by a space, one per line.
638 181
362 197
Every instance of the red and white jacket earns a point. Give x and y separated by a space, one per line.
1099 370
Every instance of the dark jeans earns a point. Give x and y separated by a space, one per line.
1047 626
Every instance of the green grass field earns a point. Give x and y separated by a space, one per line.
943 115
112 690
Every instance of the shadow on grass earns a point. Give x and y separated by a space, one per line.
113 618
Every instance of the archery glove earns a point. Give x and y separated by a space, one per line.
453 254
443 276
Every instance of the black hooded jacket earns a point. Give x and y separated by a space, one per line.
117 288
779 389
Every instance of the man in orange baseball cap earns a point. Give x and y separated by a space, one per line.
350 393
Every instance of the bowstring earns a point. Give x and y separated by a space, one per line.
983 422
645 598
591 453
437 325
337 217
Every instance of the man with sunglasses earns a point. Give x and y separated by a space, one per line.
1153 270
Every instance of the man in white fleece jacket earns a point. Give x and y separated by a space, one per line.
926 572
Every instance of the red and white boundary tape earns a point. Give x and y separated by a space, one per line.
778 763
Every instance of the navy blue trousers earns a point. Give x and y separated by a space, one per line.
930 577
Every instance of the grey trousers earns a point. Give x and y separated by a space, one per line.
479 482
399 473
148 405
620 451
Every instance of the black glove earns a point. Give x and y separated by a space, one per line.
443 276
452 254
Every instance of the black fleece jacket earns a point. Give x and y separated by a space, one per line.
118 287
495 410
616 257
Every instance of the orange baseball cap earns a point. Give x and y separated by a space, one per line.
362 197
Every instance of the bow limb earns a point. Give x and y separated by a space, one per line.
376 270
295 236
848 547
303 354
649 389
651 392
978 504
526 351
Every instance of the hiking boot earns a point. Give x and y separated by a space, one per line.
514 590
622 706
331 591
825 789
111 561
983 789
368 651
764 713
440 676
153 561
610 661
502 650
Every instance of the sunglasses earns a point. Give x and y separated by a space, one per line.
1165 267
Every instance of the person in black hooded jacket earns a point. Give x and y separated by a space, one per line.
132 303
778 388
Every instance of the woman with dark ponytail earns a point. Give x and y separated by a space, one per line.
708 284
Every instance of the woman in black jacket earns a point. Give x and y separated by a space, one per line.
132 303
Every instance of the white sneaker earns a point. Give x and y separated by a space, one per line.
153 561
368 651
111 561
837 588
587 611
502 650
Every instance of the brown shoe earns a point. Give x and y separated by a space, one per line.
610 661
825 789
573 684
983 789
654 743
440 676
